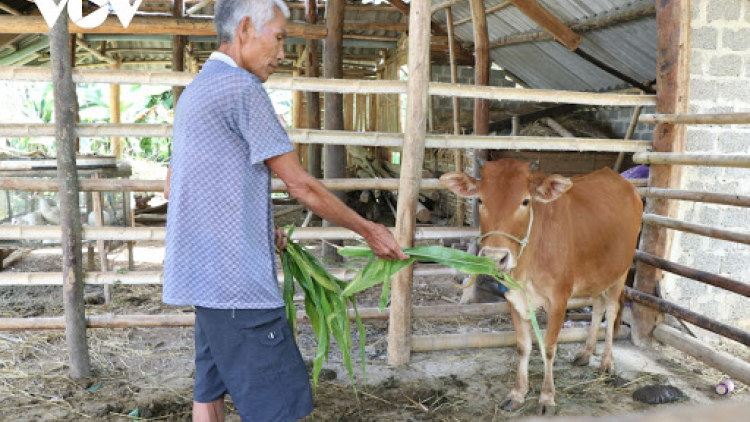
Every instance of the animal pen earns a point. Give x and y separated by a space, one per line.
431 31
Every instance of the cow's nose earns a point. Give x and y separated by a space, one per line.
502 256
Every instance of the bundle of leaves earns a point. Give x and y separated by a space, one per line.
327 298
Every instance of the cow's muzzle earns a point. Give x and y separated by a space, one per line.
502 256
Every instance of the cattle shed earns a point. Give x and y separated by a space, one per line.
388 95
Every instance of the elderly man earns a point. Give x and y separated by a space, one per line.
220 232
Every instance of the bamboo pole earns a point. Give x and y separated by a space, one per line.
700 229
277 185
399 329
178 51
693 159
698 119
697 196
67 174
433 342
702 276
673 80
132 321
11 232
114 113
724 362
101 245
340 137
358 86
687 315
458 154
31 24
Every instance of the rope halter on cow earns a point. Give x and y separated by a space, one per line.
523 242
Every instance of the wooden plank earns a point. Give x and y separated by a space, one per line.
144 25
561 32
673 79
70 210
399 329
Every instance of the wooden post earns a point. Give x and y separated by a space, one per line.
399 331
70 214
458 154
673 79
114 113
178 52
101 245
335 155
314 159
482 78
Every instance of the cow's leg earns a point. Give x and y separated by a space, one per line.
517 395
583 357
555 318
612 308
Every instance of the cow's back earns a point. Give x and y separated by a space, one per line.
587 236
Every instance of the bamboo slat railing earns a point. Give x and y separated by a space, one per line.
700 229
698 119
124 77
277 185
427 343
693 159
334 137
9 232
697 196
367 314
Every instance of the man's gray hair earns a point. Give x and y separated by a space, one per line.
229 13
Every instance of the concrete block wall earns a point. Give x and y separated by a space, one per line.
719 83
616 121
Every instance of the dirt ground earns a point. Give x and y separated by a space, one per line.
147 373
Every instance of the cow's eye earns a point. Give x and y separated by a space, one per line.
479 201
525 202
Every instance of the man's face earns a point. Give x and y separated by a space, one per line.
261 52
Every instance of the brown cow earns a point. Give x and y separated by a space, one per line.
564 237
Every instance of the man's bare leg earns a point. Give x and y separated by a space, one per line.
209 412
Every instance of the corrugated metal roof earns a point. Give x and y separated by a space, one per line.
629 47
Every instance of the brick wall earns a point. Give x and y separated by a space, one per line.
719 83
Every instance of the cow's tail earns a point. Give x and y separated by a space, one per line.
618 318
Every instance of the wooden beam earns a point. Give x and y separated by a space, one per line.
144 25
578 28
458 154
561 32
698 119
375 26
70 210
314 151
349 7
489 11
445 5
415 131
400 6
673 80
481 79
334 163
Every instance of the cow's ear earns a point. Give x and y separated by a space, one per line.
552 188
460 183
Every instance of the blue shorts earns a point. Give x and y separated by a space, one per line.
251 355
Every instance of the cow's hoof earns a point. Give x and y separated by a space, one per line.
546 410
581 360
510 404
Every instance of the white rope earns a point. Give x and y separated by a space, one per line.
523 242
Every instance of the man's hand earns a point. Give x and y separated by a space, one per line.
281 238
383 244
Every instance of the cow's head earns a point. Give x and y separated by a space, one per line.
506 195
